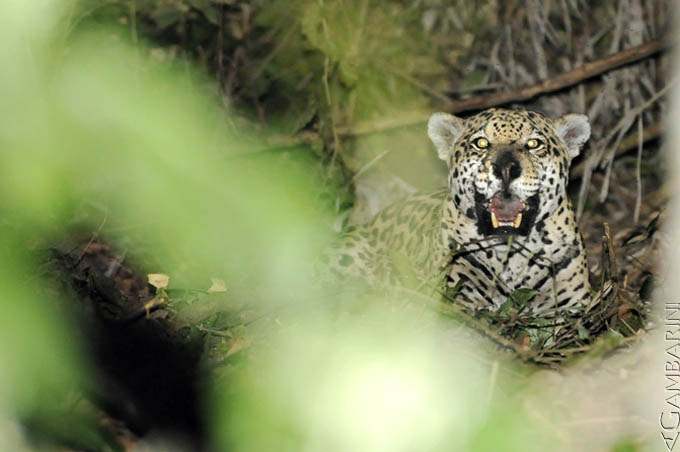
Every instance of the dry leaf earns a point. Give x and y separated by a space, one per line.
218 285
158 280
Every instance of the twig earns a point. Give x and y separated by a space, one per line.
612 256
630 142
334 129
215 332
638 179
368 166
115 265
384 124
604 262
607 156
93 237
418 84
282 44
145 311
576 75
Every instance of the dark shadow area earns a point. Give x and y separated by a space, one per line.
146 372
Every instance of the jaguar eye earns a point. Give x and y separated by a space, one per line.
533 143
481 143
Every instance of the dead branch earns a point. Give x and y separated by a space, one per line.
576 75
611 265
573 77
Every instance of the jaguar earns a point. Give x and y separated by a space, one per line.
504 222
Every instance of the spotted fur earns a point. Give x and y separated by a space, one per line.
500 161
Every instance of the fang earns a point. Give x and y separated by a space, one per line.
494 220
518 220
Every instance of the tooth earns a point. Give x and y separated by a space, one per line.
494 220
518 220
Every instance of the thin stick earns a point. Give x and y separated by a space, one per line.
638 179
368 165
612 256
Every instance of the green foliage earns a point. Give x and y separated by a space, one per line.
627 445
348 60
91 124
515 303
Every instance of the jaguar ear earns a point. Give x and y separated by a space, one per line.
574 130
444 129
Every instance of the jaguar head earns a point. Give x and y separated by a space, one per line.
508 169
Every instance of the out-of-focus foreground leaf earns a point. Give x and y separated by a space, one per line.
85 122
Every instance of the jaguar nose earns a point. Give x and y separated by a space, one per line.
507 167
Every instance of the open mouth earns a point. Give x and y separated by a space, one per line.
505 214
